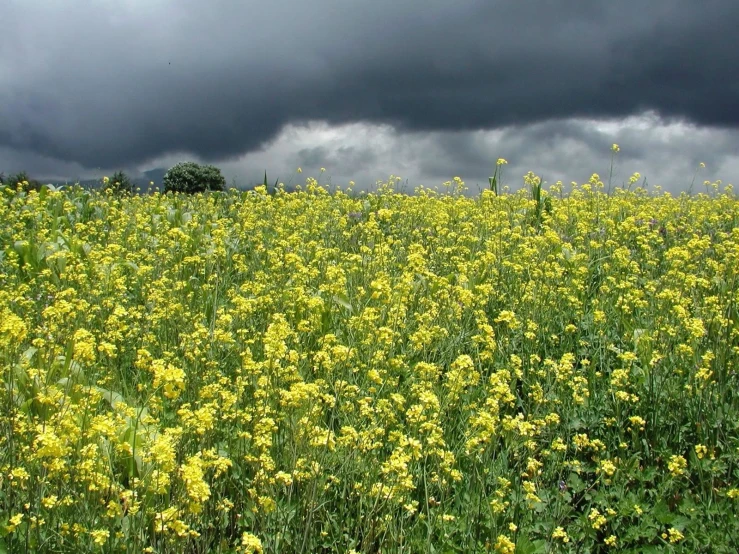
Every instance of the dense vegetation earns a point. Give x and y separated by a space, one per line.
545 371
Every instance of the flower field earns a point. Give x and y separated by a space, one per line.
318 372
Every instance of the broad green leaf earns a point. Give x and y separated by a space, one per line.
343 301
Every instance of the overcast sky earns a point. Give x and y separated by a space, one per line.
423 89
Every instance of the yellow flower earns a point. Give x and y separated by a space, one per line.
504 545
84 346
677 465
49 445
638 422
608 467
19 473
50 501
700 451
610 541
250 544
100 536
14 522
560 533
596 518
169 377
197 489
12 328
461 374
673 535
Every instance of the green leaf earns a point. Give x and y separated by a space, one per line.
575 483
575 424
132 265
343 301
29 352
111 396
680 522
662 513
525 546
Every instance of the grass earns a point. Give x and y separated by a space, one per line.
318 372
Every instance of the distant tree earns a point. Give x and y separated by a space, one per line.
19 178
191 178
26 183
119 183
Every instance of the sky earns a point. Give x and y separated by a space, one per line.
425 90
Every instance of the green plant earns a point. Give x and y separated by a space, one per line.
266 185
191 178
540 202
495 179
614 150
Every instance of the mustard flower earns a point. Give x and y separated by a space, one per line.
673 535
504 545
677 465
561 534
701 450
100 536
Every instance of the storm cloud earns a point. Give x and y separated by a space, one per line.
90 84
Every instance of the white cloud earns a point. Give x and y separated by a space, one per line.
666 154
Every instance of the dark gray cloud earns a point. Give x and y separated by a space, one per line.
120 84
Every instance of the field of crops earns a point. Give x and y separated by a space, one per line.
321 372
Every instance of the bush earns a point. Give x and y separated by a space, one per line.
119 183
191 178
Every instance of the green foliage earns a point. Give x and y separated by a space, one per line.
266 184
191 178
496 178
494 182
119 183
